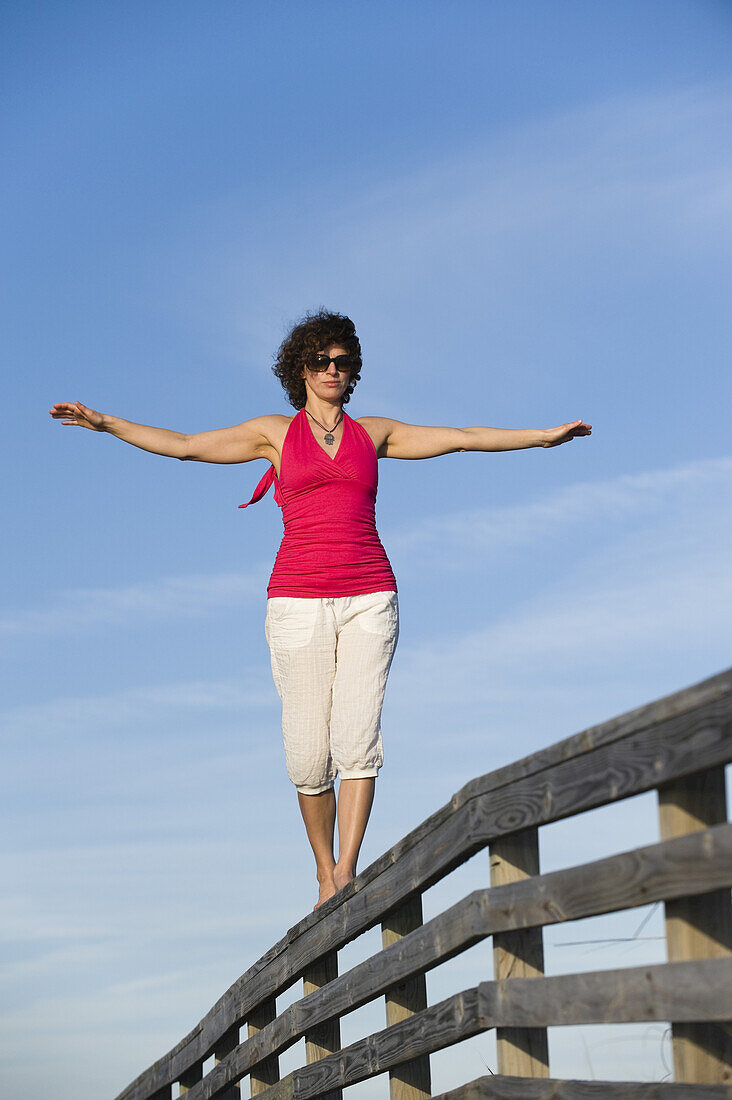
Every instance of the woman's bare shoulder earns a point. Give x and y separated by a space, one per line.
375 423
273 425
378 427
274 418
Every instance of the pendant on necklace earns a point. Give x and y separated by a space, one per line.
329 438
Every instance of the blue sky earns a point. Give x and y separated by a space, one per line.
525 207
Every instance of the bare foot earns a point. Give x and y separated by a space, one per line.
342 875
327 890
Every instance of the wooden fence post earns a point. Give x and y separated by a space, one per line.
522 1051
190 1077
266 1072
411 1080
325 1038
698 927
225 1045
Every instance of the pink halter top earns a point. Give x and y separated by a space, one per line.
330 546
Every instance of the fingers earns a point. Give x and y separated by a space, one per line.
67 408
64 411
75 414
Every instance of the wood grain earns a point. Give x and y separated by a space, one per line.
228 1043
698 927
692 991
190 1078
323 1037
518 1088
266 1070
518 953
411 1080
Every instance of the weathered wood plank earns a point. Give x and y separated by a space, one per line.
228 1043
324 1037
440 1026
411 1080
696 990
518 1088
613 772
266 1071
698 927
407 867
518 953
699 861
190 1078
715 690
689 991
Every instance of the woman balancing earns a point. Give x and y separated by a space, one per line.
332 611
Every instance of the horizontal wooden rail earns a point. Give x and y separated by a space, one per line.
519 1088
700 990
657 744
697 863
669 991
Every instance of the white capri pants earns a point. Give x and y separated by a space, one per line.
330 662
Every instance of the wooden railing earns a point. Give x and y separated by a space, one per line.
678 746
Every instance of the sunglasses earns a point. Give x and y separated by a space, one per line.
322 362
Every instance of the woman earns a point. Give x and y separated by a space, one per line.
332 610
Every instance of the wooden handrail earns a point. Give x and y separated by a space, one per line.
684 991
520 1088
697 863
650 747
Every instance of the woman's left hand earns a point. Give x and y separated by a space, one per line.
554 436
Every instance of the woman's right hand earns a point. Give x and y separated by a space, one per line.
77 415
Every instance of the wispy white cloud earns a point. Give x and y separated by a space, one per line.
19 920
123 709
114 912
451 540
644 172
653 153
79 609
660 593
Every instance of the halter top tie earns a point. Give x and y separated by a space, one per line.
264 486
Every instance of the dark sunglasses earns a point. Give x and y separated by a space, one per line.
322 362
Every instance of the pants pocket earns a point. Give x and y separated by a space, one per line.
290 621
380 614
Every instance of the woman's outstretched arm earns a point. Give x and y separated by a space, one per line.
242 443
393 439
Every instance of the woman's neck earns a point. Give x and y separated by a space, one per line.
327 412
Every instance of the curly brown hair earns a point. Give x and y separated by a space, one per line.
311 334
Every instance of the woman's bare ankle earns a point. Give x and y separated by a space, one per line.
324 874
343 872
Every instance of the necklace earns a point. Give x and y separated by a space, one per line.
329 437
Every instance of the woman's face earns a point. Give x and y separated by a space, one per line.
329 384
